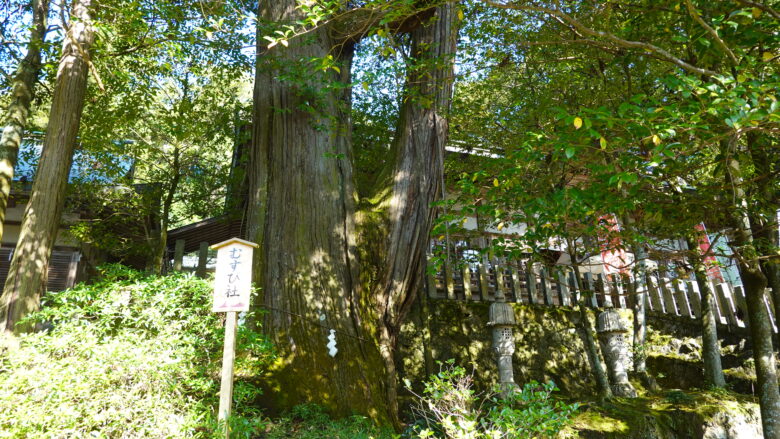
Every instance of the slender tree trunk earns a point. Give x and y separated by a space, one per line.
301 212
22 93
158 264
587 330
640 323
710 345
713 370
597 365
638 290
28 271
407 212
760 326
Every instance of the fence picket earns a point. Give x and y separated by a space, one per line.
739 295
517 288
656 299
720 312
669 298
563 289
546 288
770 308
681 295
606 291
467 282
593 300
531 283
724 292
694 297
484 290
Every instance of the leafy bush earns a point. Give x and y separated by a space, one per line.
130 356
309 421
449 408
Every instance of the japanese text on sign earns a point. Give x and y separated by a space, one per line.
232 280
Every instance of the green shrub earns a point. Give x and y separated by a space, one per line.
449 408
130 356
309 421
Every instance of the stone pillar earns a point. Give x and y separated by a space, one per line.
502 319
611 332
203 259
178 255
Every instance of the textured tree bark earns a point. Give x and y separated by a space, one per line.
22 93
765 227
713 370
301 212
406 211
638 290
761 336
710 345
596 361
28 270
760 326
597 365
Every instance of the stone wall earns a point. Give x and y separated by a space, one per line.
549 347
548 344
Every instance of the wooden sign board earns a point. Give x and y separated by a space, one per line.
233 276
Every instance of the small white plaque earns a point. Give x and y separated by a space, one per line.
233 276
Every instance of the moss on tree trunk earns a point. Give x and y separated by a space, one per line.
301 212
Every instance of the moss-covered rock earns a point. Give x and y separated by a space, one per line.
673 415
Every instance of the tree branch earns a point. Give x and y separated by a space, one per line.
761 6
697 18
662 53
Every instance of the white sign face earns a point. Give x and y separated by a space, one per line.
233 278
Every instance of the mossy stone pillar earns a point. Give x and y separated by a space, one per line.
502 320
611 333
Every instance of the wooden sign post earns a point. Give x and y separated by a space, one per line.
232 290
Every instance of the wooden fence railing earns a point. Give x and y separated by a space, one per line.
677 297
557 287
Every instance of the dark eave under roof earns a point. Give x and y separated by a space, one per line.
211 230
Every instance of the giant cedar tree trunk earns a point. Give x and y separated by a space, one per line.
22 92
28 271
301 212
406 213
